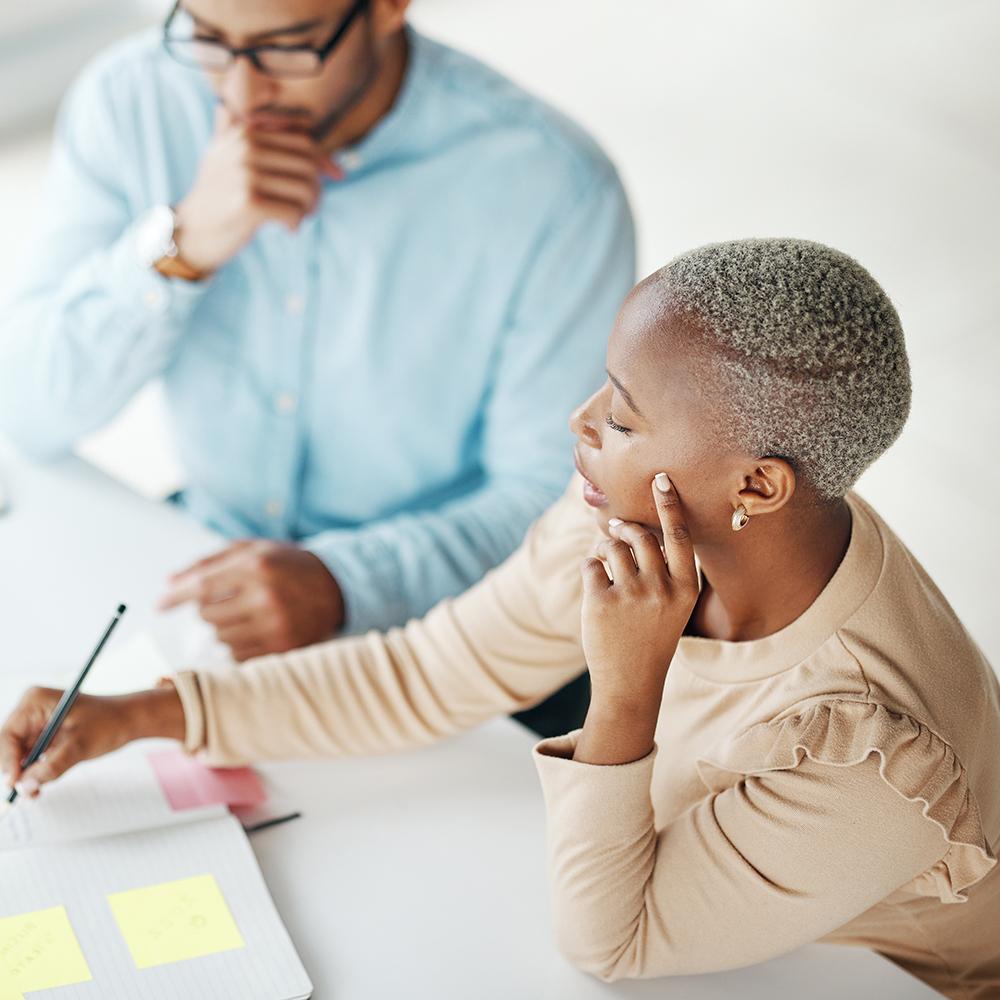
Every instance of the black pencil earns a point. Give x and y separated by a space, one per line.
264 824
66 702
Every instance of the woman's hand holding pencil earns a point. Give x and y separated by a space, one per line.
52 730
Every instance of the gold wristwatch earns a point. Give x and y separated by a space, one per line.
156 246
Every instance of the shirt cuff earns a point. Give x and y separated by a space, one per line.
188 690
607 799
366 570
143 288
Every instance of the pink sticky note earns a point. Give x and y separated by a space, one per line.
188 784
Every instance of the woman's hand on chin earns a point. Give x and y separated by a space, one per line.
631 625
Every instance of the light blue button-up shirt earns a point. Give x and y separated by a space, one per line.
389 385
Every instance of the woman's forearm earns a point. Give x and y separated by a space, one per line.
157 712
618 732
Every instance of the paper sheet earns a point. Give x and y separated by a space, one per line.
112 794
81 876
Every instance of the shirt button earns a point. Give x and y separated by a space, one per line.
294 305
285 402
350 160
155 300
274 508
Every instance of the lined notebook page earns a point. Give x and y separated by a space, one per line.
113 794
81 875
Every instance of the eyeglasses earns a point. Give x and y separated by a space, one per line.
186 46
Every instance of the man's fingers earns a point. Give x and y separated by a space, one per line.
280 189
230 613
291 140
177 594
298 146
242 634
248 651
677 547
204 587
208 561
279 163
330 169
289 213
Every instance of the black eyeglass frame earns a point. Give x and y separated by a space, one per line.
251 51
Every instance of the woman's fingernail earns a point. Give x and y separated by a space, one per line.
613 522
662 482
28 786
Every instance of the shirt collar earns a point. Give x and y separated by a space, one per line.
386 136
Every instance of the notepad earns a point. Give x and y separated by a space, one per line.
112 794
176 911
126 897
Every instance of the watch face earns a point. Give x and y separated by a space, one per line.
155 236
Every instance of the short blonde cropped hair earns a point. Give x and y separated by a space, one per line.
808 346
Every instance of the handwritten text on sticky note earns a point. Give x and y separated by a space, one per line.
175 921
39 951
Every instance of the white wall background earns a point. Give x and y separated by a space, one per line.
871 126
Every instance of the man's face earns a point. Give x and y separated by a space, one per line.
311 102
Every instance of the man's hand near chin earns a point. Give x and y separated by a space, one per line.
261 597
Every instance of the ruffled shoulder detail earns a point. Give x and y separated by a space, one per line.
915 761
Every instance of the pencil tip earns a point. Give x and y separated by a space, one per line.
121 609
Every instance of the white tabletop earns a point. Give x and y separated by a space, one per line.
418 875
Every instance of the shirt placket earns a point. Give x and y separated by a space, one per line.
284 403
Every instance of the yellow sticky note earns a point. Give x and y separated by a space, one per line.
39 951
175 921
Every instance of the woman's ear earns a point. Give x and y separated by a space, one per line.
767 487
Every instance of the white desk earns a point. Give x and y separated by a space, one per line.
419 875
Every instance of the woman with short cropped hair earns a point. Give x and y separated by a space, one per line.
791 736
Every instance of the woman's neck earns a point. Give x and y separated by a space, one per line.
757 584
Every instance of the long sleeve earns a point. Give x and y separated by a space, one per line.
86 325
748 873
503 645
550 358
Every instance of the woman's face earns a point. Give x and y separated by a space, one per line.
657 412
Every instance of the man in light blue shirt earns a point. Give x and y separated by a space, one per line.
373 275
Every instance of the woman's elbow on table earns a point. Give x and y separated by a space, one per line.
609 960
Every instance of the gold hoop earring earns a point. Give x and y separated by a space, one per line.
740 518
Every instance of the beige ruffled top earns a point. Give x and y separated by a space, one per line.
838 780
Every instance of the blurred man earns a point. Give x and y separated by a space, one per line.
373 275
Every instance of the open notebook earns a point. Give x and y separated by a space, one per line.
108 894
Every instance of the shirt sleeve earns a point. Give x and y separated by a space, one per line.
748 873
86 326
503 645
551 358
